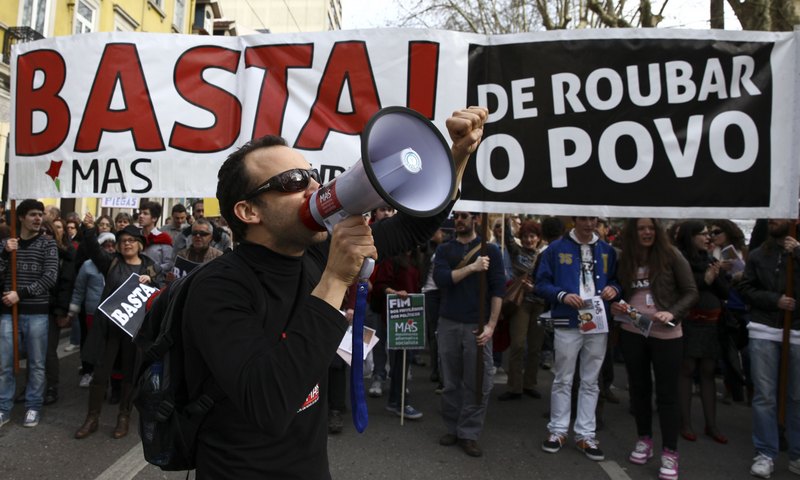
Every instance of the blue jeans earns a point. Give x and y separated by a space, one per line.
33 331
765 358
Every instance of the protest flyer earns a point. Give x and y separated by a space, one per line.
592 317
345 349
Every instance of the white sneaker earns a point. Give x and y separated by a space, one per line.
669 465
71 348
375 390
642 452
4 418
794 466
762 466
31 418
86 380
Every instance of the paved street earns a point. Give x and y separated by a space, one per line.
511 443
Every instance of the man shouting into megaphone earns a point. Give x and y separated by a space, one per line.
263 322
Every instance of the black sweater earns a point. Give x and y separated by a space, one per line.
268 345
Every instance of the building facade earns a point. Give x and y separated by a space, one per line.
289 16
28 20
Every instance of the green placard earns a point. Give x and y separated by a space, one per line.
405 320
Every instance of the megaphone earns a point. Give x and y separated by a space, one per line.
405 163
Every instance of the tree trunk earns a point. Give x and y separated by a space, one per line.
717 14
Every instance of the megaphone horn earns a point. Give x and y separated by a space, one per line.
405 163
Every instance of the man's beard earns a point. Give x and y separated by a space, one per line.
465 233
779 231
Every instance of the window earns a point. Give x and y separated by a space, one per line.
35 14
85 17
180 15
123 22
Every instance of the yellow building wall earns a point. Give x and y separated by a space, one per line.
8 12
149 17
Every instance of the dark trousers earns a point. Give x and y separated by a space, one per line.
51 370
396 384
337 384
664 358
433 299
116 341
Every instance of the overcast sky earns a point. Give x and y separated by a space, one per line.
678 14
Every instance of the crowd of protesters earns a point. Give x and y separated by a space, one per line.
67 265
683 305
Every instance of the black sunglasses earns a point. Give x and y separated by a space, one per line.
290 181
462 215
716 231
201 234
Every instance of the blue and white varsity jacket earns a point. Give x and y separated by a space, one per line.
559 274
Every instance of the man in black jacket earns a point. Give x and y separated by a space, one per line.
263 321
763 287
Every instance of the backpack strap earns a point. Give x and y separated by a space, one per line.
464 261
212 393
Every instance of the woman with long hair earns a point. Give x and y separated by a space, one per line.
730 249
105 337
657 283
701 330
725 233
60 296
104 224
524 322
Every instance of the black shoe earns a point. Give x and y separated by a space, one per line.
509 396
448 440
532 392
335 421
609 396
50 396
470 447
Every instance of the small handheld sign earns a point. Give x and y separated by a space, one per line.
126 306
405 319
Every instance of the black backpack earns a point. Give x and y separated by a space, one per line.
169 420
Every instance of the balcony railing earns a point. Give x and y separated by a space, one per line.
14 35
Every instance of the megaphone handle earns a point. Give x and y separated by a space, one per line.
358 402
366 269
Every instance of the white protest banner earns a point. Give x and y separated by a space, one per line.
119 202
126 305
612 122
